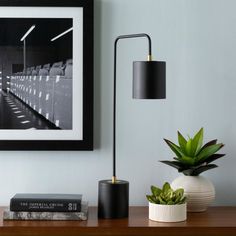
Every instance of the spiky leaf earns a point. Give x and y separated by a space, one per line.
212 142
189 161
176 149
182 141
201 169
197 141
208 151
188 148
213 158
176 164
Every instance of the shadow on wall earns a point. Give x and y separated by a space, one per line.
97 73
103 84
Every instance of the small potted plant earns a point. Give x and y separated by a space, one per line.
192 158
167 205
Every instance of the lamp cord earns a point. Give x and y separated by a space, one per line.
114 93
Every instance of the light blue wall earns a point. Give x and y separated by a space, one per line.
197 39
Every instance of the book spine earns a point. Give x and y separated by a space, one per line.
39 205
10 215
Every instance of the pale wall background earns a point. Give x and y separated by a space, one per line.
197 39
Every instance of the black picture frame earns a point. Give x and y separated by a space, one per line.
87 141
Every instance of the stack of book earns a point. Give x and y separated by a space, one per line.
46 207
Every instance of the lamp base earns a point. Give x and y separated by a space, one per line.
113 199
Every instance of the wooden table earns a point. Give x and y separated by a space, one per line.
215 221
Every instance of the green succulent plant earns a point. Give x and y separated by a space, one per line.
166 195
192 158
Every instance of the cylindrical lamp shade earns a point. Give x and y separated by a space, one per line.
149 80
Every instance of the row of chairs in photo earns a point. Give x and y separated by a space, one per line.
49 95
58 68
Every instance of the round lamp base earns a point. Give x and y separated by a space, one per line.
113 199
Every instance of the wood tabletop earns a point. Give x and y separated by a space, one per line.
215 221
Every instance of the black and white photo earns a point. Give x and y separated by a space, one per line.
36 65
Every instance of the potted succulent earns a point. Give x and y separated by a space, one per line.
192 158
167 205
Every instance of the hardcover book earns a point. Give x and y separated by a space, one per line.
22 215
46 202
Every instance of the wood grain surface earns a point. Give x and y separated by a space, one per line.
215 221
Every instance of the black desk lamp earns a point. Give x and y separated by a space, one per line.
148 83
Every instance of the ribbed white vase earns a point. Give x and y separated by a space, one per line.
167 213
200 192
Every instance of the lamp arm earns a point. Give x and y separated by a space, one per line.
128 36
114 93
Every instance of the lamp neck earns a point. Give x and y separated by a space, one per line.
128 36
114 93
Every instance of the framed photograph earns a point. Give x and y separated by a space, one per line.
46 75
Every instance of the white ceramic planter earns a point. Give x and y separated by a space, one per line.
199 191
167 213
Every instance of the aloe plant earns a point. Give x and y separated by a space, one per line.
166 195
192 157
